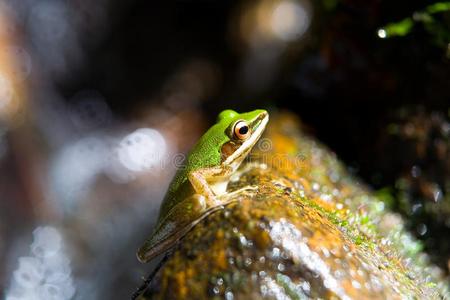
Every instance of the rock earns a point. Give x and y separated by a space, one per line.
416 174
310 231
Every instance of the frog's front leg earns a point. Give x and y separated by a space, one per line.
210 183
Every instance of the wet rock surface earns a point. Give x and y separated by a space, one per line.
418 143
310 231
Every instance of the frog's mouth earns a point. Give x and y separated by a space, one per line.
258 125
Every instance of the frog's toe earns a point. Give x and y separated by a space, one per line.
251 189
248 191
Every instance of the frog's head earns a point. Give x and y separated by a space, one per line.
243 131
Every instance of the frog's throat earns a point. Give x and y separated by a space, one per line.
235 159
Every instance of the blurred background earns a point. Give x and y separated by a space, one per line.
100 99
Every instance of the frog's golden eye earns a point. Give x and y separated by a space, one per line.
241 130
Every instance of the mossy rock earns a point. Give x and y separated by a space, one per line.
309 231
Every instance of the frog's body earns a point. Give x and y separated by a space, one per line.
197 188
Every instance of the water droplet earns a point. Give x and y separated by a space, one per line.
415 171
416 208
437 194
248 261
243 240
325 252
275 253
306 287
422 229
356 284
315 186
216 290
229 295
339 274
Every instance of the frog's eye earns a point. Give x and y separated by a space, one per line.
241 130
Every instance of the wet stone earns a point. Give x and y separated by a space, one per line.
287 242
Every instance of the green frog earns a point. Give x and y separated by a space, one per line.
200 186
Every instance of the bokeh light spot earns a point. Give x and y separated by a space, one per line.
290 20
382 33
6 92
142 150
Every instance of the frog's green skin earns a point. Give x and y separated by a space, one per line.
199 187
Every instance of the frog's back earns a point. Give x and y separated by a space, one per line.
206 153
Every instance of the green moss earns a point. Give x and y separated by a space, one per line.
400 28
438 7
386 195
351 229
290 288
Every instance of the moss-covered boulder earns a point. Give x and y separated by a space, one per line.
310 231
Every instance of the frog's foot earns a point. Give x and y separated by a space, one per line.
227 198
248 190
